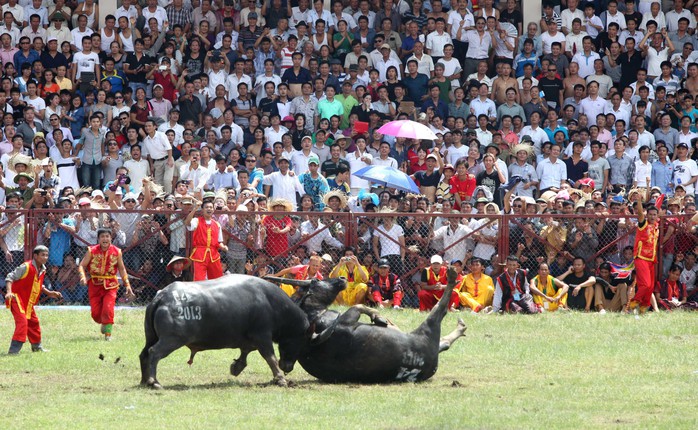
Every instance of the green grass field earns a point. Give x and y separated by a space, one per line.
548 371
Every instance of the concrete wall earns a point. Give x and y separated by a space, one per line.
531 10
106 7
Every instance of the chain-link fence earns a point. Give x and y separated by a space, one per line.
150 239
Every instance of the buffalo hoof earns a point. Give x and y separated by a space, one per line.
237 367
152 383
280 381
381 321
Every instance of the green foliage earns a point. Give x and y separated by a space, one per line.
549 371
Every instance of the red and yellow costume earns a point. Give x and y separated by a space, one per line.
355 288
26 290
429 298
205 257
103 283
645 260
300 273
476 294
386 288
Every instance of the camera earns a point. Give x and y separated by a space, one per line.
162 68
123 179
42 192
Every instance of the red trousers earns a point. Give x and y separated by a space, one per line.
207 269
429 298
101 303
24 326
644 272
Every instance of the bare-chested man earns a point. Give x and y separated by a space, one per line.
500 84
691 82
573 79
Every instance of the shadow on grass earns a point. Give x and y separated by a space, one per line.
308 384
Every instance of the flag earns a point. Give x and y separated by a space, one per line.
619 272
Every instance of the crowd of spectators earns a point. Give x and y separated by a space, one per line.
581 111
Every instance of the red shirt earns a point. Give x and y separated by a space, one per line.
277 243
463 188
646 241
167 86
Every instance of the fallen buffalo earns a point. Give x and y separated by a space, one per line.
235 311
344 350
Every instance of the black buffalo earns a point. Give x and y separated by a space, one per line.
345 350
235 311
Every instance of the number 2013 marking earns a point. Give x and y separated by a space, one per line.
189 312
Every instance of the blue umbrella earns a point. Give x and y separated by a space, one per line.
389 177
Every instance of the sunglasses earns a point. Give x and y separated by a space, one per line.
517 206
118 98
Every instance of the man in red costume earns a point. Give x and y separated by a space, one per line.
433 283
385 286
207 241
102 262
302 272
24 287
645 255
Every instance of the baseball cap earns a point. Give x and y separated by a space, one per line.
285 157
84 201
385 46
432 156
436 259
97 193
314 159
130 196
588 182
252 15
682 145
158 86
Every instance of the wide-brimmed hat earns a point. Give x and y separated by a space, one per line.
175 259
522 147
29 177
19 159
83 190
335 193
288 206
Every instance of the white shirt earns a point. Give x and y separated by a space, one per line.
425 65
672 19
137 171
654 59
388 247
454 20
382 67
568 16
479 107
272 136
284 186
355 164
313 16
684 171
547 41
436 42
177 128
539 136
453 240
390 162
586 63
455 153
78 35
551 174
85 63
157 145
132 12
198 176
299 161
160 14
314 243
660 19
478 47
642 172
232 84
591 108
618 18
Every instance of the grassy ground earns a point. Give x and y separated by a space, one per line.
559 370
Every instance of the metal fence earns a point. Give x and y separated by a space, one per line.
149 239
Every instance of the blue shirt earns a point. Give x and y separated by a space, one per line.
20 59
440 109
662 175
219 181
416 88
551 133
521 60
258 173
